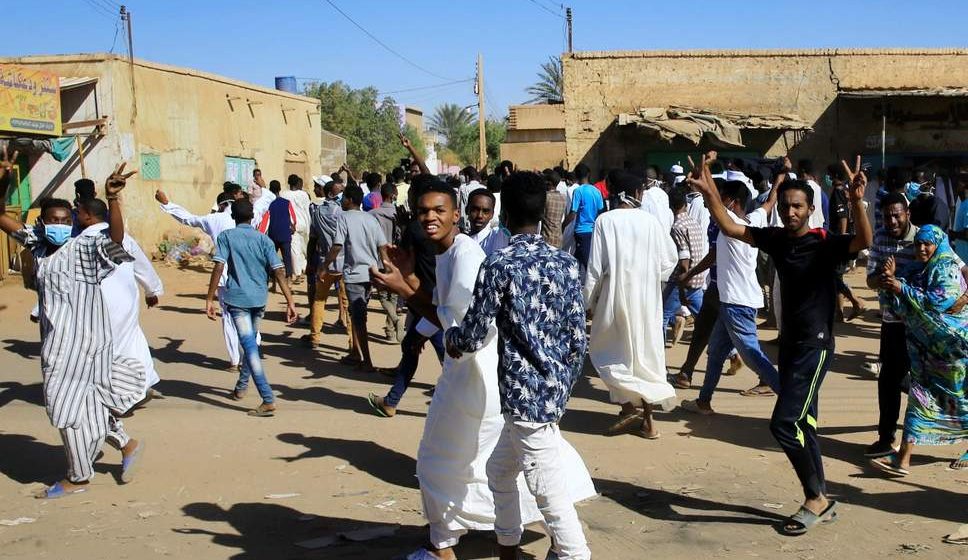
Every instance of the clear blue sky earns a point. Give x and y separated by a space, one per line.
256 40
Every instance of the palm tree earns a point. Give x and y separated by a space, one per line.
448 119
550 87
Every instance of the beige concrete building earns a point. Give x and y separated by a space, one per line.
818 104
186 132
535 136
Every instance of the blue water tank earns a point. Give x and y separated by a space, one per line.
286 84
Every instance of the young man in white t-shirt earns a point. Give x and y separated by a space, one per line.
739 299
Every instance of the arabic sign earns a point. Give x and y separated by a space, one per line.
29 101
950 113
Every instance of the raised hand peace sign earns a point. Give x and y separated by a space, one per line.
116 182
856 178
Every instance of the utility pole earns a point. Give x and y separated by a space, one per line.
126 17
568 20
479 89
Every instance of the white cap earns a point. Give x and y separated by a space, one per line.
677 169
732 175
322 180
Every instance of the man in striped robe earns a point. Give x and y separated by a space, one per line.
85 385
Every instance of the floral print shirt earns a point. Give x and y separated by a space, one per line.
534 292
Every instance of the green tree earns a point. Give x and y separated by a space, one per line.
550 87
369 125
466 142
448 120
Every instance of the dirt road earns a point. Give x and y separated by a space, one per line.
711 487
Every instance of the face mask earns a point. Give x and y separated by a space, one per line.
625 199
912 190
57 234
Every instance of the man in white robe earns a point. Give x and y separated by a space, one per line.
300 238
624 288
123 301
464 421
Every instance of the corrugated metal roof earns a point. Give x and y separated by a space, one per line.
70 83
878 93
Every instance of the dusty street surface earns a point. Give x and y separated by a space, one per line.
713 487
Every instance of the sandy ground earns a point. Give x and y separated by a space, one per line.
711 486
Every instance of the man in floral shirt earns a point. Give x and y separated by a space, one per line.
534 292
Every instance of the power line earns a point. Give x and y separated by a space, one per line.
547 9
444 85
384 45
110 6
100 10
117 28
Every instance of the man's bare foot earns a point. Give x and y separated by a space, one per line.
681 381
699 407
442 554
647 430
61 489
759 390
735 364
817 505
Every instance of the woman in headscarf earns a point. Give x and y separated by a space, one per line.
930 295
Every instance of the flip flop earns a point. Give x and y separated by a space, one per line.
646 435
680 381
958 537
804 520
758 391
963 460
57 490
624 423
129 464
888 464
419 554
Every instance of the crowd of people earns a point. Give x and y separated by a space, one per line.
501 273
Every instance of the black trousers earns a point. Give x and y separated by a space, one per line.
895 365
702 328
794 423
285 247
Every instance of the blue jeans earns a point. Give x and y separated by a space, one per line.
246 321
408 361
736 327
672 302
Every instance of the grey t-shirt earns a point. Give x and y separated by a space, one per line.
361 236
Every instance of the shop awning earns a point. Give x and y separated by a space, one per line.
722 128
71 83
882 93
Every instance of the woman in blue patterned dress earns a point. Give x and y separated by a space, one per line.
930 295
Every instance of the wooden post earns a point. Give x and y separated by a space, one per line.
80 155
481 137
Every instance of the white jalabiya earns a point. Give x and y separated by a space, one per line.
213 224
655 201
630 257
300 238
464 421
123 300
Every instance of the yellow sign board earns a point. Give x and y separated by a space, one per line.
29 101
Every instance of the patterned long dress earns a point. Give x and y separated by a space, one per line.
937 341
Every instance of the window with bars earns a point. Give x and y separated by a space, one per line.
151 167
